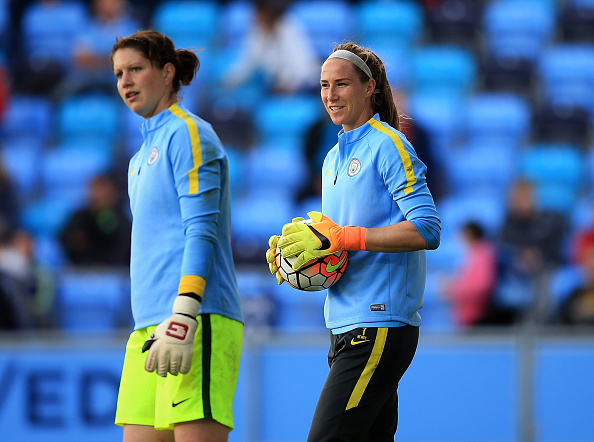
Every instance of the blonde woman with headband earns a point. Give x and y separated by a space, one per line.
376 205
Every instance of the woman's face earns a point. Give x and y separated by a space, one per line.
145 88
347 100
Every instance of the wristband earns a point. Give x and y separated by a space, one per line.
187 304
353 238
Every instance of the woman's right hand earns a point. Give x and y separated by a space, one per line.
271 258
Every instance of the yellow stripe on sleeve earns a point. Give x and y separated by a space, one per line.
372 363
196 146
192 284
405 157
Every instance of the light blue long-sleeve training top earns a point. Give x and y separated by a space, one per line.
179 196
372 178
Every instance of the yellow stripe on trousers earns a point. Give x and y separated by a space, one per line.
196 146
372 363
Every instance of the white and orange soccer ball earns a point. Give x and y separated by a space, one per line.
318 274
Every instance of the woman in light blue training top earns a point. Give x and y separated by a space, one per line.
185 301
373 184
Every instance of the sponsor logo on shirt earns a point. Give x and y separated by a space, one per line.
354 167
153 156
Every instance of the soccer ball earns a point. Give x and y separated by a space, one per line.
318 274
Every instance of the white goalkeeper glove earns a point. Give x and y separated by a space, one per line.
171 345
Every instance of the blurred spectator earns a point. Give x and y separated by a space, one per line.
578 309
534 238
99 233
582 241
47 31
9 204
18 281
91 70
278 48
470 291
531 247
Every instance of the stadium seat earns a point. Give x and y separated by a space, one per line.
566 73
396 60
500 72
235 20
519 28
66 170
557 170
270 166
440 115
455 22
563 124
577 21
327 22
563 281
190 24
28 118
92 299
49 29
390 23
89 117
21 161
283 120
498 117
457 209
45 216
444 69
487 169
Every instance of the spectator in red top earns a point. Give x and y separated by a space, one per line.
471 290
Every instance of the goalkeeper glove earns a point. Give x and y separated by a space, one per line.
271 258
319 238
171 345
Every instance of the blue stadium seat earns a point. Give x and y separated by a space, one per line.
498 117
190 24
486 169
89 117
519 28
92 299
557 171
327 22
457 209
28 118
440 115
390 23
274 167
236 19
283 121
444 69
258 215
21 162
45 216
563 281
396 60
566 73
49 29
66 171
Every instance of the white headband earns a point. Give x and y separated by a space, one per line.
353 58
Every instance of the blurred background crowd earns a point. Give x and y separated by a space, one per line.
499 96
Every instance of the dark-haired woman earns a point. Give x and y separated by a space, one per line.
185 303
376 205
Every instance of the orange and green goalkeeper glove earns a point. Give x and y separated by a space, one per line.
320 237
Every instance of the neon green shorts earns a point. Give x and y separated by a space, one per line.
205 392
